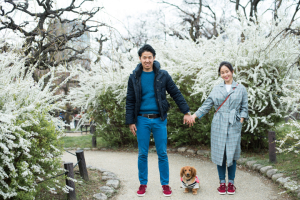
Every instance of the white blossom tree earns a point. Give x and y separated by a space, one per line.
262 62
291 141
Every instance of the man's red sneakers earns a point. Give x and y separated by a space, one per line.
231 189
142 190
167 190
222 188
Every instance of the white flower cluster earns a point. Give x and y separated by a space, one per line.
21 102
101 77
293 138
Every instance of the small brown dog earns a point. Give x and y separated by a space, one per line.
189 179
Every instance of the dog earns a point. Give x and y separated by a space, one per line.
189 179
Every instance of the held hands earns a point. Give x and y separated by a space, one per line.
189 119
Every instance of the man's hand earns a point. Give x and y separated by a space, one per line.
133 129
188 119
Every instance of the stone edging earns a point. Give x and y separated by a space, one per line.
186 150
112 183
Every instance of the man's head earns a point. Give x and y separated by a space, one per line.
147 57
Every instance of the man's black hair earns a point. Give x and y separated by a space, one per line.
227 64
148 48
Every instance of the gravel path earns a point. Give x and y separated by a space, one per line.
124 165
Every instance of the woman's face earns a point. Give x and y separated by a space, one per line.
226 74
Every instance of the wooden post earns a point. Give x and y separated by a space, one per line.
272 146
286 119
92 129
94 141
82 165
295 115
70 173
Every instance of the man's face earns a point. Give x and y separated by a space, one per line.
147 60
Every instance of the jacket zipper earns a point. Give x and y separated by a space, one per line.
139 95
155 92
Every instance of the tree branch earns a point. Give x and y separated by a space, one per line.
101 40
243 7
49 41
296 10
177 8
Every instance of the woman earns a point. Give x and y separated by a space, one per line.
226 125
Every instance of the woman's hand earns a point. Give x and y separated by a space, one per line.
192 120
242 120
194 116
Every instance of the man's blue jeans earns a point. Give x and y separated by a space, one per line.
231 171
159 129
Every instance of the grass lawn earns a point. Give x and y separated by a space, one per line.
74 129
287 163
84 141
71 130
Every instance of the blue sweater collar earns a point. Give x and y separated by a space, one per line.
139 68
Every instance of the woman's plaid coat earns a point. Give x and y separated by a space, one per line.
226 126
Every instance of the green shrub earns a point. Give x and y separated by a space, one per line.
44 151
110 119
181 134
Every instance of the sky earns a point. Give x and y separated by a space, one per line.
121 9
124 13
120 14
117 12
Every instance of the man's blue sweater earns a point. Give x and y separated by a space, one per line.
148 104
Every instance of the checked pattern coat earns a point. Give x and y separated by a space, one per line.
226 126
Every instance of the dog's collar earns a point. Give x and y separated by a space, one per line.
189 179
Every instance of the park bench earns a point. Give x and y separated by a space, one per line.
86 125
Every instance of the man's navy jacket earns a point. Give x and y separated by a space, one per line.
162 82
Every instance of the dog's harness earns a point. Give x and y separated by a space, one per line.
191 186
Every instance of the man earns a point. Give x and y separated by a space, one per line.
146 112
